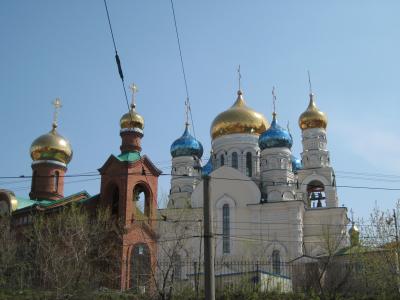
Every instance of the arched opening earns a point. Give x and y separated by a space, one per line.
235 160
316 194
140 268
249 164
276 262
226 247
222 159
115 201
142 203
56 180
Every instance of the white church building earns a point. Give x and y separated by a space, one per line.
267 204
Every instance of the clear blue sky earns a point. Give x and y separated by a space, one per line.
63 49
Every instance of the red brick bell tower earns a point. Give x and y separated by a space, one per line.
129 185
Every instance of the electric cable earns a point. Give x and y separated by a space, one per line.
182 66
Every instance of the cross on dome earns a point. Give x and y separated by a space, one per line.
187 108
239 78
274 101
134 90
309 82
57 105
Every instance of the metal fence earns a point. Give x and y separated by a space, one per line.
341 275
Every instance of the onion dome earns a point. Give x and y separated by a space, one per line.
238 119
313 117
186 145
354 234
132 120
51 146
296 164
208 167
275 136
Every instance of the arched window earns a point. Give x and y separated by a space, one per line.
56 180
276 262
140 268
141 198
115 201
222 160
225 230
234 160
316 194
249 164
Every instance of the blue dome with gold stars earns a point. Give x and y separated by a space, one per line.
275 136
186 145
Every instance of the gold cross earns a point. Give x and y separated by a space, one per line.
134 89
274 99
187 107
239 78
57 105
309 81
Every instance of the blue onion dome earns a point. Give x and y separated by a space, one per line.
296 164
275 136
208 167
186 145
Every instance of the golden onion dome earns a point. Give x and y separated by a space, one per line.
354 234
313 117
238 119
132 120
51 146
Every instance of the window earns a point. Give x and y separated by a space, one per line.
115 202
225 230
56 180
140 268
276 262
142 203
249 165
222 160
316 194
234 160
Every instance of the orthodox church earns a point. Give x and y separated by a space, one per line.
128 188
267 203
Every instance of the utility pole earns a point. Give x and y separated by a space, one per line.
209 277
397 250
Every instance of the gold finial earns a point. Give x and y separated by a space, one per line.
239 79
57 105
274 101
134 89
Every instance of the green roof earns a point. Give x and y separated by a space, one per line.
129 156
25 203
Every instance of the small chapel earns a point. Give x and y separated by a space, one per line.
128 188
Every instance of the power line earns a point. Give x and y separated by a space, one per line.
182 66
117 59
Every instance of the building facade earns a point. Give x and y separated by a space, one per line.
128 190
267 204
